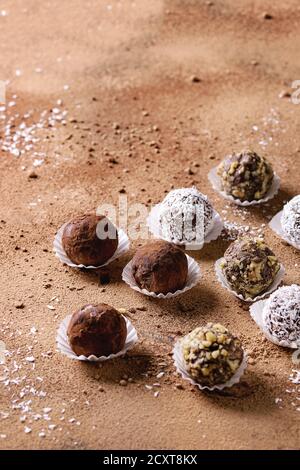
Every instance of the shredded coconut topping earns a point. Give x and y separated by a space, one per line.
282 315
186 215
290 219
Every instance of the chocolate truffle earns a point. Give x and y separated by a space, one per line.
246 176
212 355
83 241
249 266
281 314
186 215
160 267
290 219
98 330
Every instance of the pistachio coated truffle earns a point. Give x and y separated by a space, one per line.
249 266
186 215
290 219
98 330
246 176
90 239
160 267
281 314
212 355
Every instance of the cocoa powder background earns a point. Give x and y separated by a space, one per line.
156 93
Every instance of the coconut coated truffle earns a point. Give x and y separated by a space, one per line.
282 314
82 243
290 219
160 267
212 355
98 330
186 215
249 266
246 176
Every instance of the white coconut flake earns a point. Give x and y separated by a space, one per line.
30 359
160 375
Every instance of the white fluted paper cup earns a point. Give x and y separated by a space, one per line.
180 365
123 246
276 226
63 345
215 229
257 312
223 281
193 277
215 181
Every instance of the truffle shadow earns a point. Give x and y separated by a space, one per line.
133 365
243 396
198 301
111 273
210 251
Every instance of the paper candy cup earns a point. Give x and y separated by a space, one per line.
275 225
153 223
216 184
257 313
194 275
60 253
223 281
64 347
181 368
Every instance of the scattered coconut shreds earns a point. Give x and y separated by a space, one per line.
233 230
27 402
293 392
21 133
295 377
266 132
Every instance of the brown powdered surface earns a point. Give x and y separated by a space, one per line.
138 120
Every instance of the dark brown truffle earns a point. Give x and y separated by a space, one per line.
246 176
81 240
160 267
98 330
249 266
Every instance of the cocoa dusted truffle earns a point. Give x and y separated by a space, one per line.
249 266
98 330
212 355
160 267
246 176
290 219
84 243
281 315
186 215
